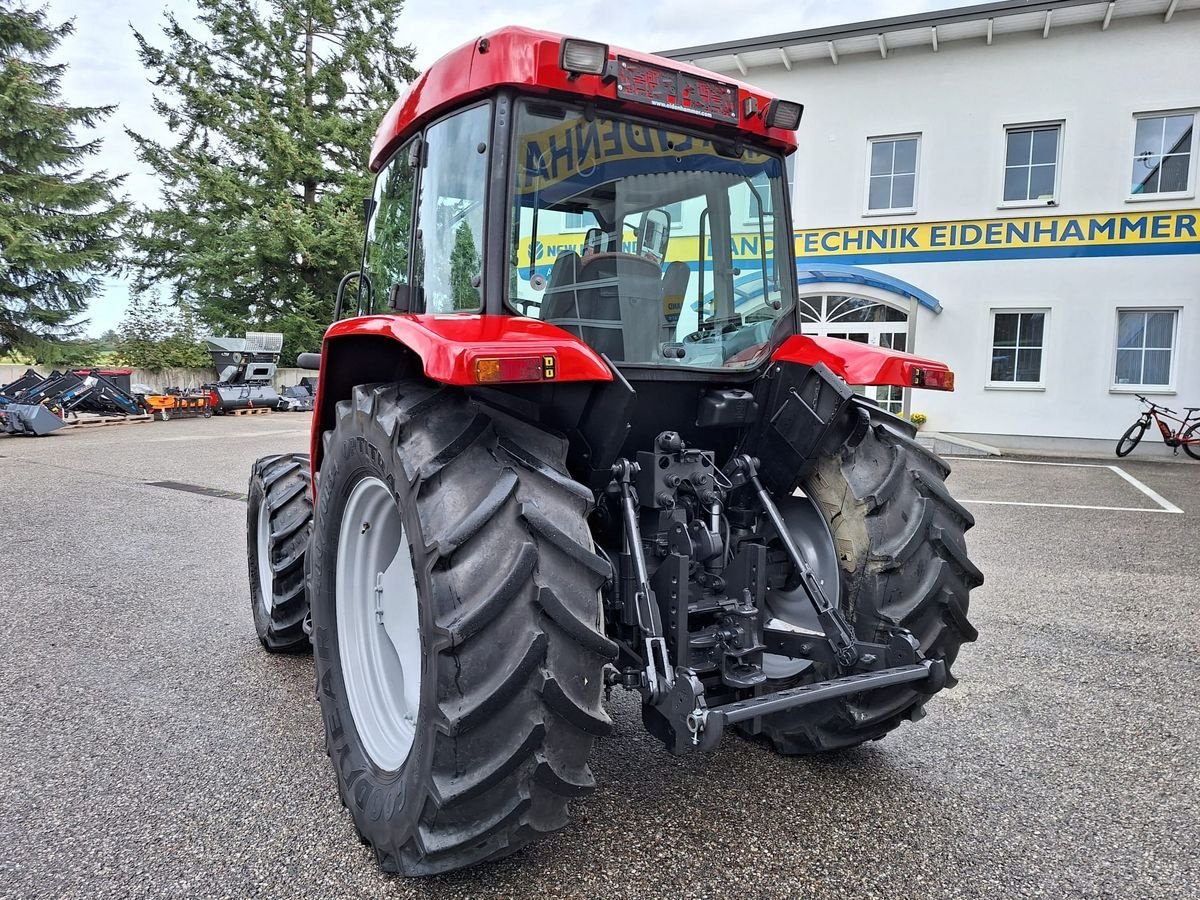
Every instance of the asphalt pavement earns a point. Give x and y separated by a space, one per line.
150 747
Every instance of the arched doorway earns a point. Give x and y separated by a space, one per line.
855 317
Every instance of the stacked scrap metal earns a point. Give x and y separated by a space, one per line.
37 405
245 367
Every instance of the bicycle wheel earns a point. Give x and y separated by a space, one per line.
1192 435
1131 438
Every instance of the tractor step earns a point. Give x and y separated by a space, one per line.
707 725
252 411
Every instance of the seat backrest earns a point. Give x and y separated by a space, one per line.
625 290
578 311
559 300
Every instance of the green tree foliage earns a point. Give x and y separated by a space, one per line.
387 247
465 264
273 111
59 227
155 335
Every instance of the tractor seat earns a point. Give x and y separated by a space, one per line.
613 301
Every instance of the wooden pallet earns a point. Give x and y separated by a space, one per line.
94 421
252 411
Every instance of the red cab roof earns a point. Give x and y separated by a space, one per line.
529 59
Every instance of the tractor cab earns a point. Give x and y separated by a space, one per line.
641 209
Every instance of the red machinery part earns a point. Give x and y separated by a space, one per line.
861 364
459 348
529 59
466 349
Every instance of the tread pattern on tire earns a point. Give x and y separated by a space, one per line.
518 694
285 482
900 541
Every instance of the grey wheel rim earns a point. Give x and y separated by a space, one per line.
791 610
378 628
266 590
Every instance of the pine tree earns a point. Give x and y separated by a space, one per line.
273 114
465 265
59 227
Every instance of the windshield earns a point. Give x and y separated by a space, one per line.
654 246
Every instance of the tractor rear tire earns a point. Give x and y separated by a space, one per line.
503 587
279 513
899 540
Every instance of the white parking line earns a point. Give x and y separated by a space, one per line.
1165 506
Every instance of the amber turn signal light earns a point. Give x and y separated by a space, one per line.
494 370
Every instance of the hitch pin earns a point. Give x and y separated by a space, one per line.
695 723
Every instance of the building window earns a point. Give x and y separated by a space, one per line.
1145 347
1018 339
575 221
1031 163
892 174
760 195
1163 146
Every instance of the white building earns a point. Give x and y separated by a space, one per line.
1014 183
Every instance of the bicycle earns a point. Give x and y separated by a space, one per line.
1187 436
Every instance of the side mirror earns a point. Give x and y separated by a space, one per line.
311 361
654 233
593 242
400 298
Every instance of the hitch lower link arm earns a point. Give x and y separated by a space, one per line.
658 674
833 623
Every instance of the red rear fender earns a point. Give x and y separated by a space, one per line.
459 349
861 364
451 346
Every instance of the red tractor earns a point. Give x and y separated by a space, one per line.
571 439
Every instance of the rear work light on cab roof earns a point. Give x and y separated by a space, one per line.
582 57
783 114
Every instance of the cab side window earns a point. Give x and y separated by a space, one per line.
389 232
448 266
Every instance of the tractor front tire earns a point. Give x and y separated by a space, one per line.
279 513
899 540
502 589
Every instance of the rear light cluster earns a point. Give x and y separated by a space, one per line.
937 379
496 370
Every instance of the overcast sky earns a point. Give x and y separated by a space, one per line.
104 67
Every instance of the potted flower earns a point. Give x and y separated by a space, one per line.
918 419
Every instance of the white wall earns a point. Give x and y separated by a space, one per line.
960 99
